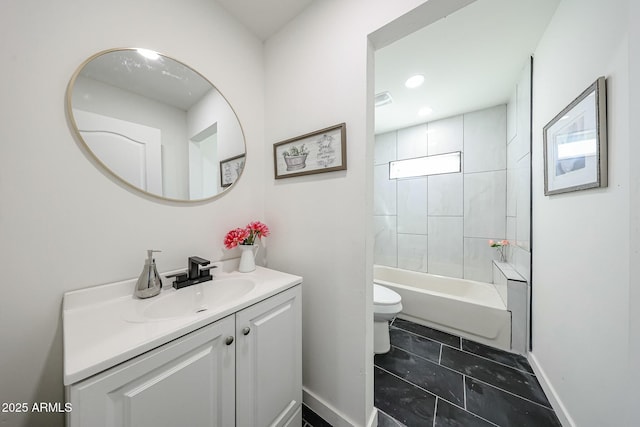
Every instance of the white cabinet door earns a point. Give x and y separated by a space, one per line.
188 382
269 361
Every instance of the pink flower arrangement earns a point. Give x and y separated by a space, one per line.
247 235
497 244
500 246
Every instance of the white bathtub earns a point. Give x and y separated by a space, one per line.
470 309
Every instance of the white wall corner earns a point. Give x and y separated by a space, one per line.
561 411
330 414
373 418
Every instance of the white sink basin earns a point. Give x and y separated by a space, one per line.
194 299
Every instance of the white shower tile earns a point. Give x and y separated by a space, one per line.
485 204
518 305
385 250
445 194
445 136
510 235
384 191
485 141
522 262
522 147
446 246
512 116
512 154
412 142
412 252
384 148
478 259
500 281
523 208
512 191
412 205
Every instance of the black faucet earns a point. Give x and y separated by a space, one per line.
194 274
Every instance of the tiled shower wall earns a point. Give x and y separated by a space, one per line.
441 224
519 175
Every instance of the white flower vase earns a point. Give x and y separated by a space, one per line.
247 258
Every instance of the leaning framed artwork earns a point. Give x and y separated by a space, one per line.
321 151
230 170
575 144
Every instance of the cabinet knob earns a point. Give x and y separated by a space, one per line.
246 330
228 340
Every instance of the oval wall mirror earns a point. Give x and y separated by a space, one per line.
156 124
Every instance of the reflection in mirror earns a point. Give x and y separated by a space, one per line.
156 124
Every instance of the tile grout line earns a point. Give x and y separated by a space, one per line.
393 418
425 359
464 391
434 395
451 370
498 349
423 336
514 394
460 349
462 374
417 386
435 411
491 360
500 388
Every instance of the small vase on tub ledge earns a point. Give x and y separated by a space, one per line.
501 247
246 238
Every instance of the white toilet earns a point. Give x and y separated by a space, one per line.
386 305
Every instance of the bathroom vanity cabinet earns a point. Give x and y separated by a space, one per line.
190 381
244 369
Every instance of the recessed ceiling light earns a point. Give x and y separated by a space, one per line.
425 111
414 81
149 54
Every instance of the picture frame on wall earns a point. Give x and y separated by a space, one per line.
575 144
321 151
230 170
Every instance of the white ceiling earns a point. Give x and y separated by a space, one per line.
471 60
264 17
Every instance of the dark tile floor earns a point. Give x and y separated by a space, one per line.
431 378
311 419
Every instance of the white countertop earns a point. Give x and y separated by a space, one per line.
102 326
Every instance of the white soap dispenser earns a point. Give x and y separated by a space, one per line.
149 283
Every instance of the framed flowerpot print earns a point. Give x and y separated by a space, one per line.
321 151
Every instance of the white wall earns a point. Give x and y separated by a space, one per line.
213 108
64 224
580 240
214 135
441 224
319 73
634 211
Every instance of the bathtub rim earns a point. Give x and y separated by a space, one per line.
496 301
